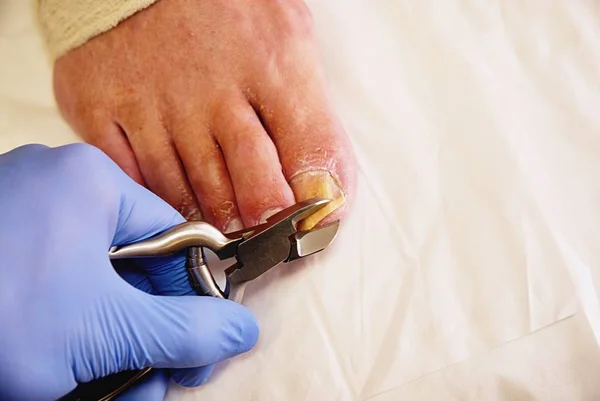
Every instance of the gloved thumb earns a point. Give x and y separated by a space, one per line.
180 331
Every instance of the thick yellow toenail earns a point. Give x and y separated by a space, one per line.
317 184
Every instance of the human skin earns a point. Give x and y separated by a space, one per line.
220 107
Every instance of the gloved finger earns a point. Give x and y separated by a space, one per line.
159 276
168 275
192 377
181 331
134 275
153 388
159 281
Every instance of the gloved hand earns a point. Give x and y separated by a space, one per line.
67 314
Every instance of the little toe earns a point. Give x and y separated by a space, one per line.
110 138
258 181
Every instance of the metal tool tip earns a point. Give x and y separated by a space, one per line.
305 243
300 210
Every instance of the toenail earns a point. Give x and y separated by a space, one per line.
269 213
234 225
317 184
191 213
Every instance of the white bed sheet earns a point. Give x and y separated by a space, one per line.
468 268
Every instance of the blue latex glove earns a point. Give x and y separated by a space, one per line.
67 315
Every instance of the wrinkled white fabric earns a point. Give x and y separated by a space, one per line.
558 363
67 24
468 268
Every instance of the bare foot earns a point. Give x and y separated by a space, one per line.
217 106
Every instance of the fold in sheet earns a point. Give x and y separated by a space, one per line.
519 370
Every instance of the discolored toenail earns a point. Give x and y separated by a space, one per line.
317 184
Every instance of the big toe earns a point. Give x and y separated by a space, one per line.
258 182
315 153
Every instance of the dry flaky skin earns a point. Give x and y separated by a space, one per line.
218 106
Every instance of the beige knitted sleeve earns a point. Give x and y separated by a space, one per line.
67 24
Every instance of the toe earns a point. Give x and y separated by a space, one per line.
110 138
315 153
158 160
206 170
258 181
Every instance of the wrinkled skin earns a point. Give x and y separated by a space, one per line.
217 106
